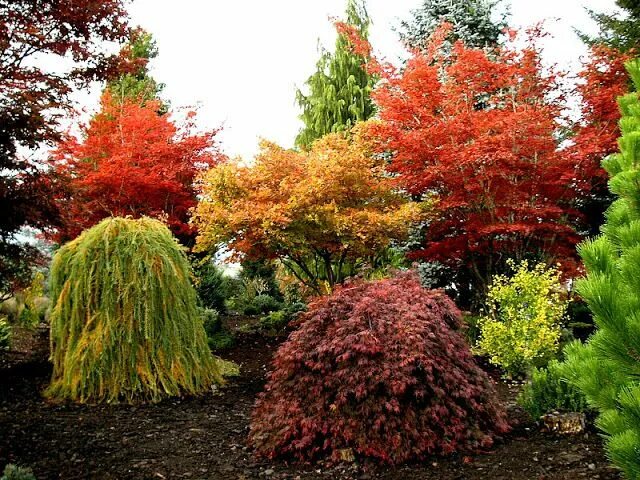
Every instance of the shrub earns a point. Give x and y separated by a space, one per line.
211 321
32 314
211 286
606 369
274 322
548 390
222 340
228 368
5 334
218 337
378 368
265 304
522 325
125 324
13 472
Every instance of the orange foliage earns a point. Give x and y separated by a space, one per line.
132 162
333 203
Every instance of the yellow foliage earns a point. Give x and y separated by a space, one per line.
334 201
523 324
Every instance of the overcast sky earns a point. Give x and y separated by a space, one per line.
241 60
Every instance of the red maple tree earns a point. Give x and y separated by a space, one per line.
477 129
48 49
604 79
132 162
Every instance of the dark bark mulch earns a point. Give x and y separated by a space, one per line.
204 438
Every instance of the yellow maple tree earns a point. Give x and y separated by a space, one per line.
319 212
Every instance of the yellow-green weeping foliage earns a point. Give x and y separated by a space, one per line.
125 325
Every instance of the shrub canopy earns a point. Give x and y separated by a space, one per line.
377 368
125 324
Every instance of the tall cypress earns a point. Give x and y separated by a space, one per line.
339 92
138 84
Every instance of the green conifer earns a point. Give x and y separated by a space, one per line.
125 326
607 368
478 23
620 30
339 92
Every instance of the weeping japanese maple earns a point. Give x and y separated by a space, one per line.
381 369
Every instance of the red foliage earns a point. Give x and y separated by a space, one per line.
604 79
133 161
47 49
477 129
379 368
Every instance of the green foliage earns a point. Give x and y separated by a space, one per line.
218 337
522 325
13 472
471 20
32 312
606 369
340 89
227 368
265 304
471 327
211 321
221 341
548 390
275 322
252 296
125 324
5 334
212 286
264 273
138 85
621 32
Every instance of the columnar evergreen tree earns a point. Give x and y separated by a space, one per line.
339 91
125 324
471 20
137 84
607 368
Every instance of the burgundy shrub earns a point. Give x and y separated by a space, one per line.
378 368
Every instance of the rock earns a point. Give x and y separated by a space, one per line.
564 423
346 455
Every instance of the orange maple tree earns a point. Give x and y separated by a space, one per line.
477 129
132 162
318 212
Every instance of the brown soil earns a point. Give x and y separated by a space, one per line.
204 438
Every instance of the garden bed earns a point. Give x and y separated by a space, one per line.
204 438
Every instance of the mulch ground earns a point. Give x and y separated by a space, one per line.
204 438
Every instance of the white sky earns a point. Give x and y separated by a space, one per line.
241 60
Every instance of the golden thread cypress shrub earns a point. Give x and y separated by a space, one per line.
124 324
522 325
